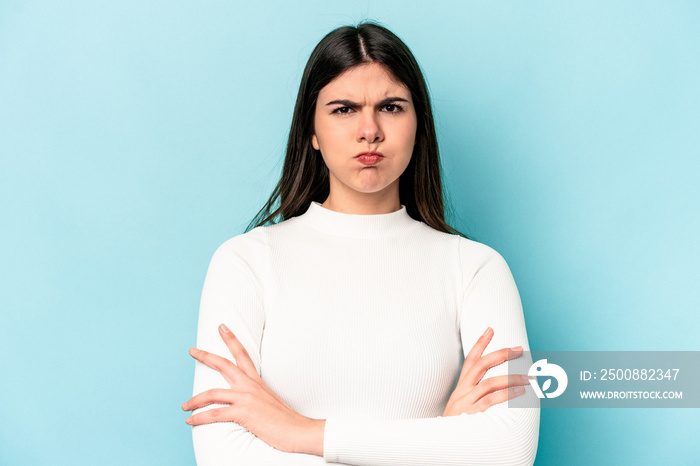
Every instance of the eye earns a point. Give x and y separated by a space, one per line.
342 110
394 108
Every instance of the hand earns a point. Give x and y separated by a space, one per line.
473 395
252 404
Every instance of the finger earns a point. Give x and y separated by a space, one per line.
211 415
499 357
478 370
227 368
476 352
240 354
498 397
215 395
243 360
494 384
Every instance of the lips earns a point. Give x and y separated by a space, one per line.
369 157
369 153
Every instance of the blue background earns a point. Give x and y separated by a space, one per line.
136 137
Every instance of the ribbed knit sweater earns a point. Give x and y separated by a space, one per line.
363 320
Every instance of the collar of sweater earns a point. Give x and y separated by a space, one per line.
356 225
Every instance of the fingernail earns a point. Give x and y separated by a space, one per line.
224 328
519 390
194 350
525 378
517 348
188 420
184 405
487 332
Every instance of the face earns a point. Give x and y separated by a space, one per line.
365 109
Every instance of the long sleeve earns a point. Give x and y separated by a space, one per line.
498 436
366 334
233 295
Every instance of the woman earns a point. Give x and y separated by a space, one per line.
348 320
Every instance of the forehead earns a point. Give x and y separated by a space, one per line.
366 80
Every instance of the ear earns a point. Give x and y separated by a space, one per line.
314 142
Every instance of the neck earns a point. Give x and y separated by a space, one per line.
381 202
365 226
368 208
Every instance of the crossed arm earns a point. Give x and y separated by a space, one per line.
242 419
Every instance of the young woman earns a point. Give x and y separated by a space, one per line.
348 320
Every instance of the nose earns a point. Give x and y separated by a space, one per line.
369 128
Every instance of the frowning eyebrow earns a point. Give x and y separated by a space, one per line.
349 103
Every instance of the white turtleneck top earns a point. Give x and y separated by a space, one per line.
363 320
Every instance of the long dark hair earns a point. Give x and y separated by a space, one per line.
305 174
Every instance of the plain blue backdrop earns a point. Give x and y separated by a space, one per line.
137 136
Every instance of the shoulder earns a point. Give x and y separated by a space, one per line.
250 239
255 244
474 251
477 258
249 247
469 257
468 251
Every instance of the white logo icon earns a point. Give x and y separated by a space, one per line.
544 369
